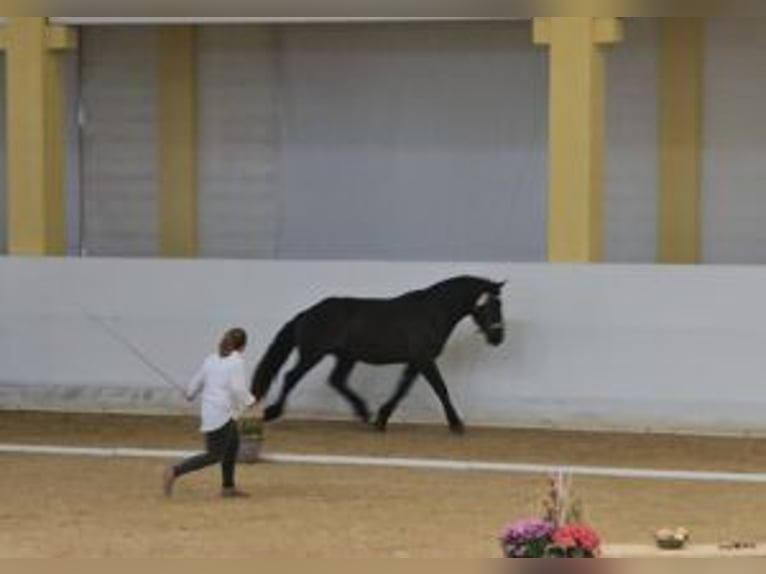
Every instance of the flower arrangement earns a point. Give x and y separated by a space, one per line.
528 538
251 428
560 533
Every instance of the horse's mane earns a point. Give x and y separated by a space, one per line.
450 284
447 288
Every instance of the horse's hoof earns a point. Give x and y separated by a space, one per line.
272 414
380 426
457 429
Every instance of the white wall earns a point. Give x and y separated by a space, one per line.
606 346
735 142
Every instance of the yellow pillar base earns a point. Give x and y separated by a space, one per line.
178 142
577 120
682 53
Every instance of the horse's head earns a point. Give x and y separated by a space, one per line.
488 314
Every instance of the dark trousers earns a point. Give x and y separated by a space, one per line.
222 447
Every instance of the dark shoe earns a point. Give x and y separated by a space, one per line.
168 480
234 493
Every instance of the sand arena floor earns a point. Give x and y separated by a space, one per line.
80 507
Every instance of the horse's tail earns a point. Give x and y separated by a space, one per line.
271 363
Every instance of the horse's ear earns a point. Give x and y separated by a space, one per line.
500 286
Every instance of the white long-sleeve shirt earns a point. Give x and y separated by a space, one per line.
225 396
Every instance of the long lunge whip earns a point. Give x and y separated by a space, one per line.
134 350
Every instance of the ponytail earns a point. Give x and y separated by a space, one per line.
233 340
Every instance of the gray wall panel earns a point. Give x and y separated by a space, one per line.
632 168
414 142
239 132
119 91
735 143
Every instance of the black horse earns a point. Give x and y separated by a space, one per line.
411 330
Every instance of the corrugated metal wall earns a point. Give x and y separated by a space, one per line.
119 139
632 169
414 142
239 138
405 142
735 143
384 142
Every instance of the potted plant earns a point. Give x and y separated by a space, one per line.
251 440
559 533
527 538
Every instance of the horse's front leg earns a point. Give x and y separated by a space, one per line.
433 376
292 379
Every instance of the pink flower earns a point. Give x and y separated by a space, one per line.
577 536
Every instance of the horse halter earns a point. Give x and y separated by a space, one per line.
483 301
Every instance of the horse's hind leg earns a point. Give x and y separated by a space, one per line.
339 382
434 378
405 384
305 364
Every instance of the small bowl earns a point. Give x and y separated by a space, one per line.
670 544
672 539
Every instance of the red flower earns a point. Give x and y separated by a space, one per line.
577 536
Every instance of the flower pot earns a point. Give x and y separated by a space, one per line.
249 450
251 441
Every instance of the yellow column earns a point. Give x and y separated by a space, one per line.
36 143
178 142
577 126
55 143
682 54
29 210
